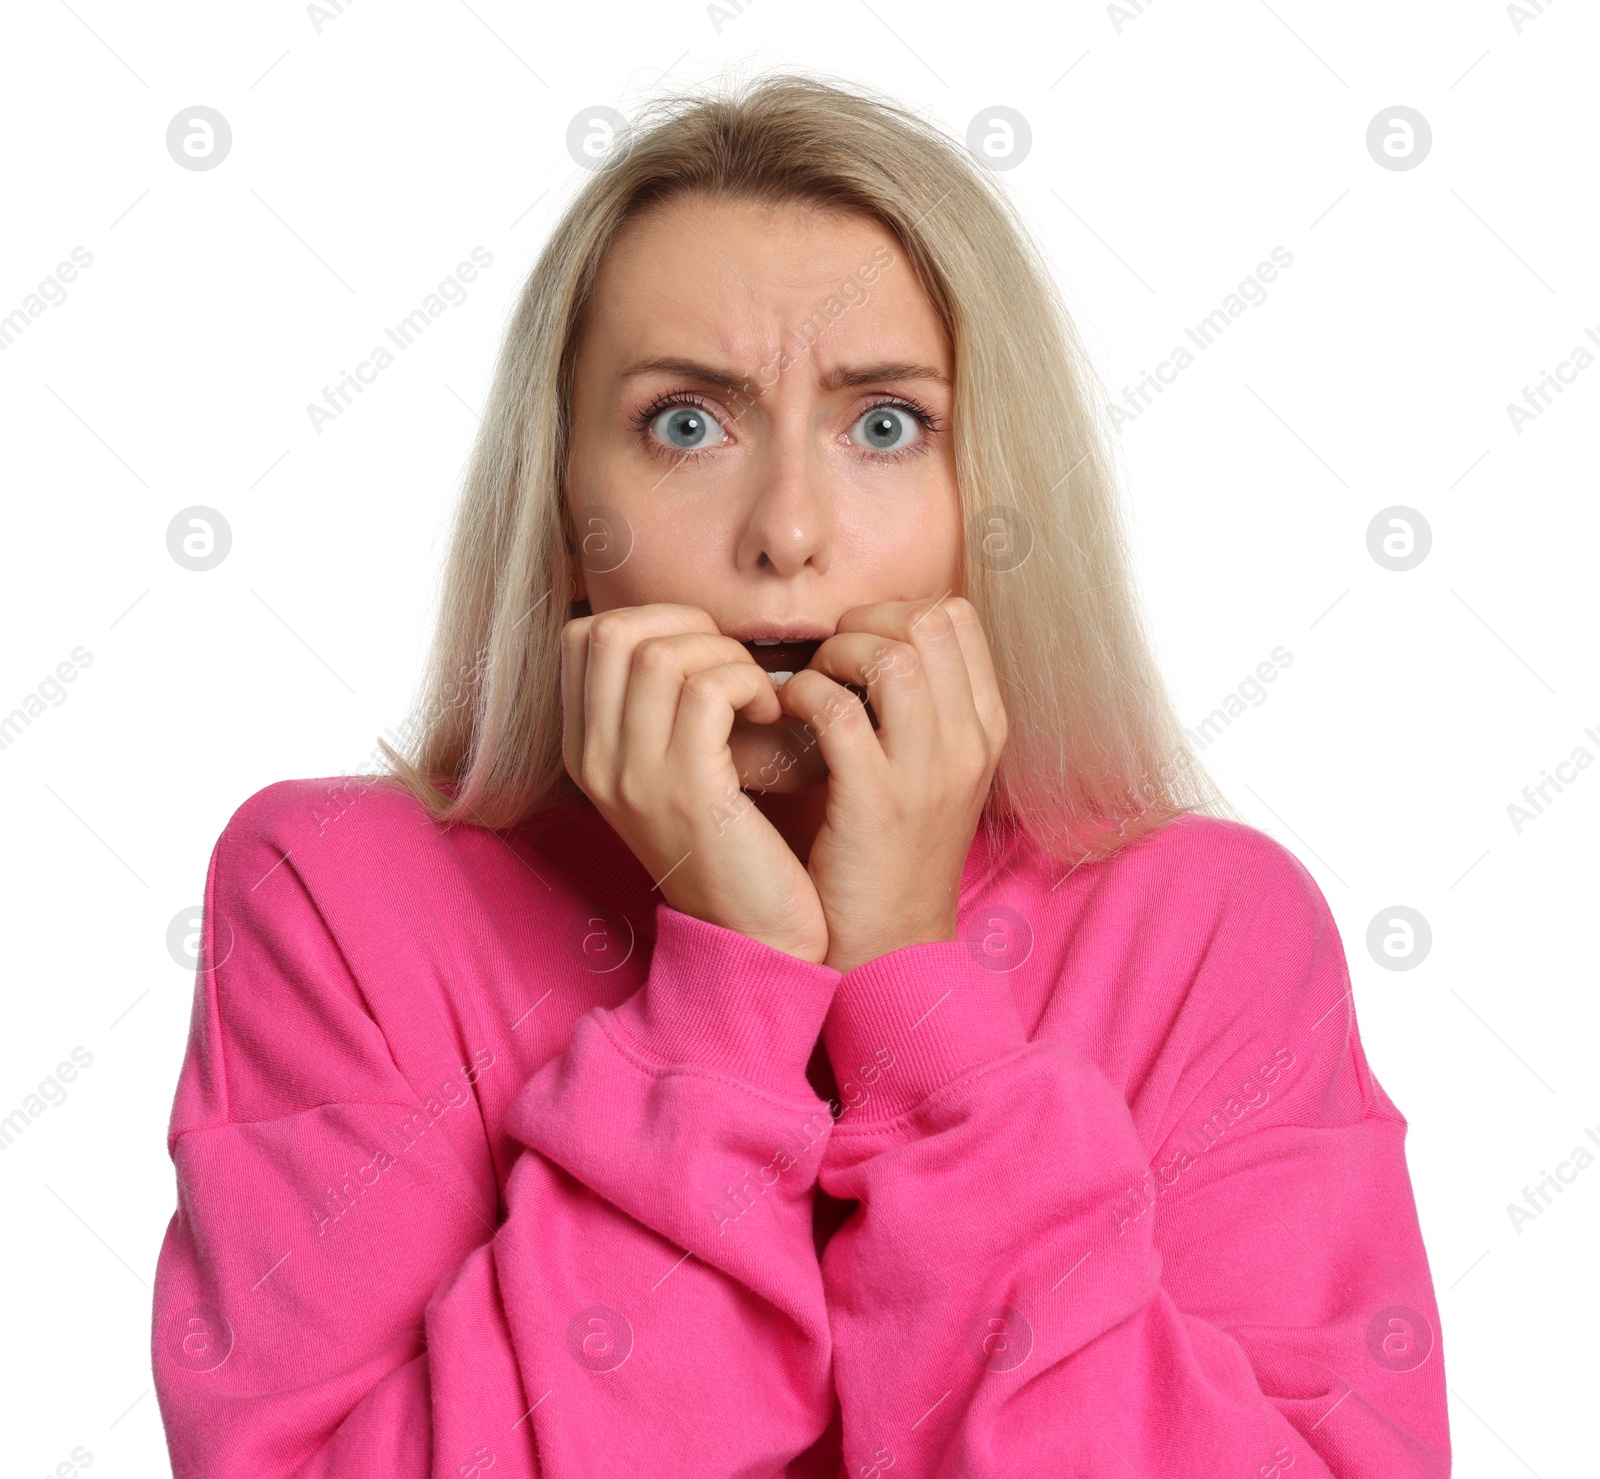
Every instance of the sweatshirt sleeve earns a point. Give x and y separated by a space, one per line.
339 1295
1028 1288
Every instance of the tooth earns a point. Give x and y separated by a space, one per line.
779 679
767 641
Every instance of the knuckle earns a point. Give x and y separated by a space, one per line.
937 624
575 638
591 776
896 659
654 655
701 685
608 628
632 791
844 708
975 754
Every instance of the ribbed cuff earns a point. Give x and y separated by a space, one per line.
718 999
910 1022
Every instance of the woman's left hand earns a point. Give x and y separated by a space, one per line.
904 801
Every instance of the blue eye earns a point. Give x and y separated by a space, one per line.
687 428
887 429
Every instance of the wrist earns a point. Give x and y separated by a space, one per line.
813 951
846 954
805 941
809 946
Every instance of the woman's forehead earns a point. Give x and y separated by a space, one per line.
727 287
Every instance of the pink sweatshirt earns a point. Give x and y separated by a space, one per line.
491 1163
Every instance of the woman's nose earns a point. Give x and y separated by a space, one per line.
788 523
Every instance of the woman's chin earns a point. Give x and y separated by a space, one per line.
778 757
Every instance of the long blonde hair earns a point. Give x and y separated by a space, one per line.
1096 755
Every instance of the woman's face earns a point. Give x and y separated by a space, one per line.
761 428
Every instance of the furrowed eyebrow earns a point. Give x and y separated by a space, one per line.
688 368
894 370
839 379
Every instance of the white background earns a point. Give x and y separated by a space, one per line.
1169 157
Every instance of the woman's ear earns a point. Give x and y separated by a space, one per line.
580 591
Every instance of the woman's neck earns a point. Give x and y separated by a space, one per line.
798 815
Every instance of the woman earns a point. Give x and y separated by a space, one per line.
678 1067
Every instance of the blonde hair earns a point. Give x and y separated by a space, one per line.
1096 756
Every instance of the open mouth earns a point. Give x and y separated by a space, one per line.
782 659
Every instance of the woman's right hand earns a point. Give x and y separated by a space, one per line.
649 695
